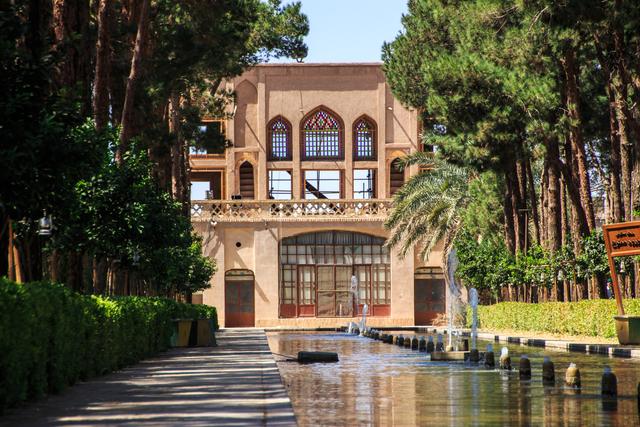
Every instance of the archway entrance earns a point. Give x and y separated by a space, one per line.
429 296
317 269
239 306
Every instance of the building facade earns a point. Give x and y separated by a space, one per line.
293 210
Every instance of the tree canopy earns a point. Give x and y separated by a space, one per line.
542 95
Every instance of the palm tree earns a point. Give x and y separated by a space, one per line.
428 208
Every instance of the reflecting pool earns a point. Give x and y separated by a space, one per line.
383 384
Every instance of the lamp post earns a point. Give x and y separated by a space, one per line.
45 228
45 225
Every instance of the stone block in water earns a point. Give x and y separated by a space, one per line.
548 371
505 359
422 344
317 357
524 368
572 376
609 383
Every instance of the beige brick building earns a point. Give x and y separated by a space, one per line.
293 211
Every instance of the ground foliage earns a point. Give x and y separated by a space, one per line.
487 265
584 318
51 337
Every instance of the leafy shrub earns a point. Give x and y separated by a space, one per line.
588 317
50 336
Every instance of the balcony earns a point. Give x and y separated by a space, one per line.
290 210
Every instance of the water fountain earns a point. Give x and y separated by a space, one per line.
474 356
454 293
353 326
363 323
473 301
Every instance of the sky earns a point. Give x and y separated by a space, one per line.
351 30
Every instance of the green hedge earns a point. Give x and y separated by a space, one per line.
588 317
50 336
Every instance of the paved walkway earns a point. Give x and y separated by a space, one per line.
234 384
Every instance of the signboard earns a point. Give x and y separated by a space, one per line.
622 239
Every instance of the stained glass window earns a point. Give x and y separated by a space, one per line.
364 140
321 136
279 140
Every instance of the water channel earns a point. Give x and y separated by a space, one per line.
383 384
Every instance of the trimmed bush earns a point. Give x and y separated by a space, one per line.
588 317
50 336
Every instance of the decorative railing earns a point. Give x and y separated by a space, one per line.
294 210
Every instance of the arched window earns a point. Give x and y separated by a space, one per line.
364 140
396 177
279 131
322 137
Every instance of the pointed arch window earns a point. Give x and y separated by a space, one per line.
279 131
246 181
396 176
322 137
364 140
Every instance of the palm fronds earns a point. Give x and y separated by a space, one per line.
427 209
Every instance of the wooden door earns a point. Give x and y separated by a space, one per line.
429 299
326 291
344 299
239 303
306 290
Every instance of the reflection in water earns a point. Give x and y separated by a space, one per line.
382 384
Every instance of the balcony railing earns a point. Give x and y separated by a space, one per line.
290 210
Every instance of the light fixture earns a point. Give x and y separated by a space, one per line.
45 225
136 258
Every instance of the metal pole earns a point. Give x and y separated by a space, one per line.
616 289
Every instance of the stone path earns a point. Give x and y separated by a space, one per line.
234 384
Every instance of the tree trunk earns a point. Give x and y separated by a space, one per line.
578 154
553 221
99 271
134 75
520 204
509 226
72 42
626 161
533 205
103 66
186 184
615 185
176 146
564 223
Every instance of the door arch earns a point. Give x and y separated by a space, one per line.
429 295
246 179
239 298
